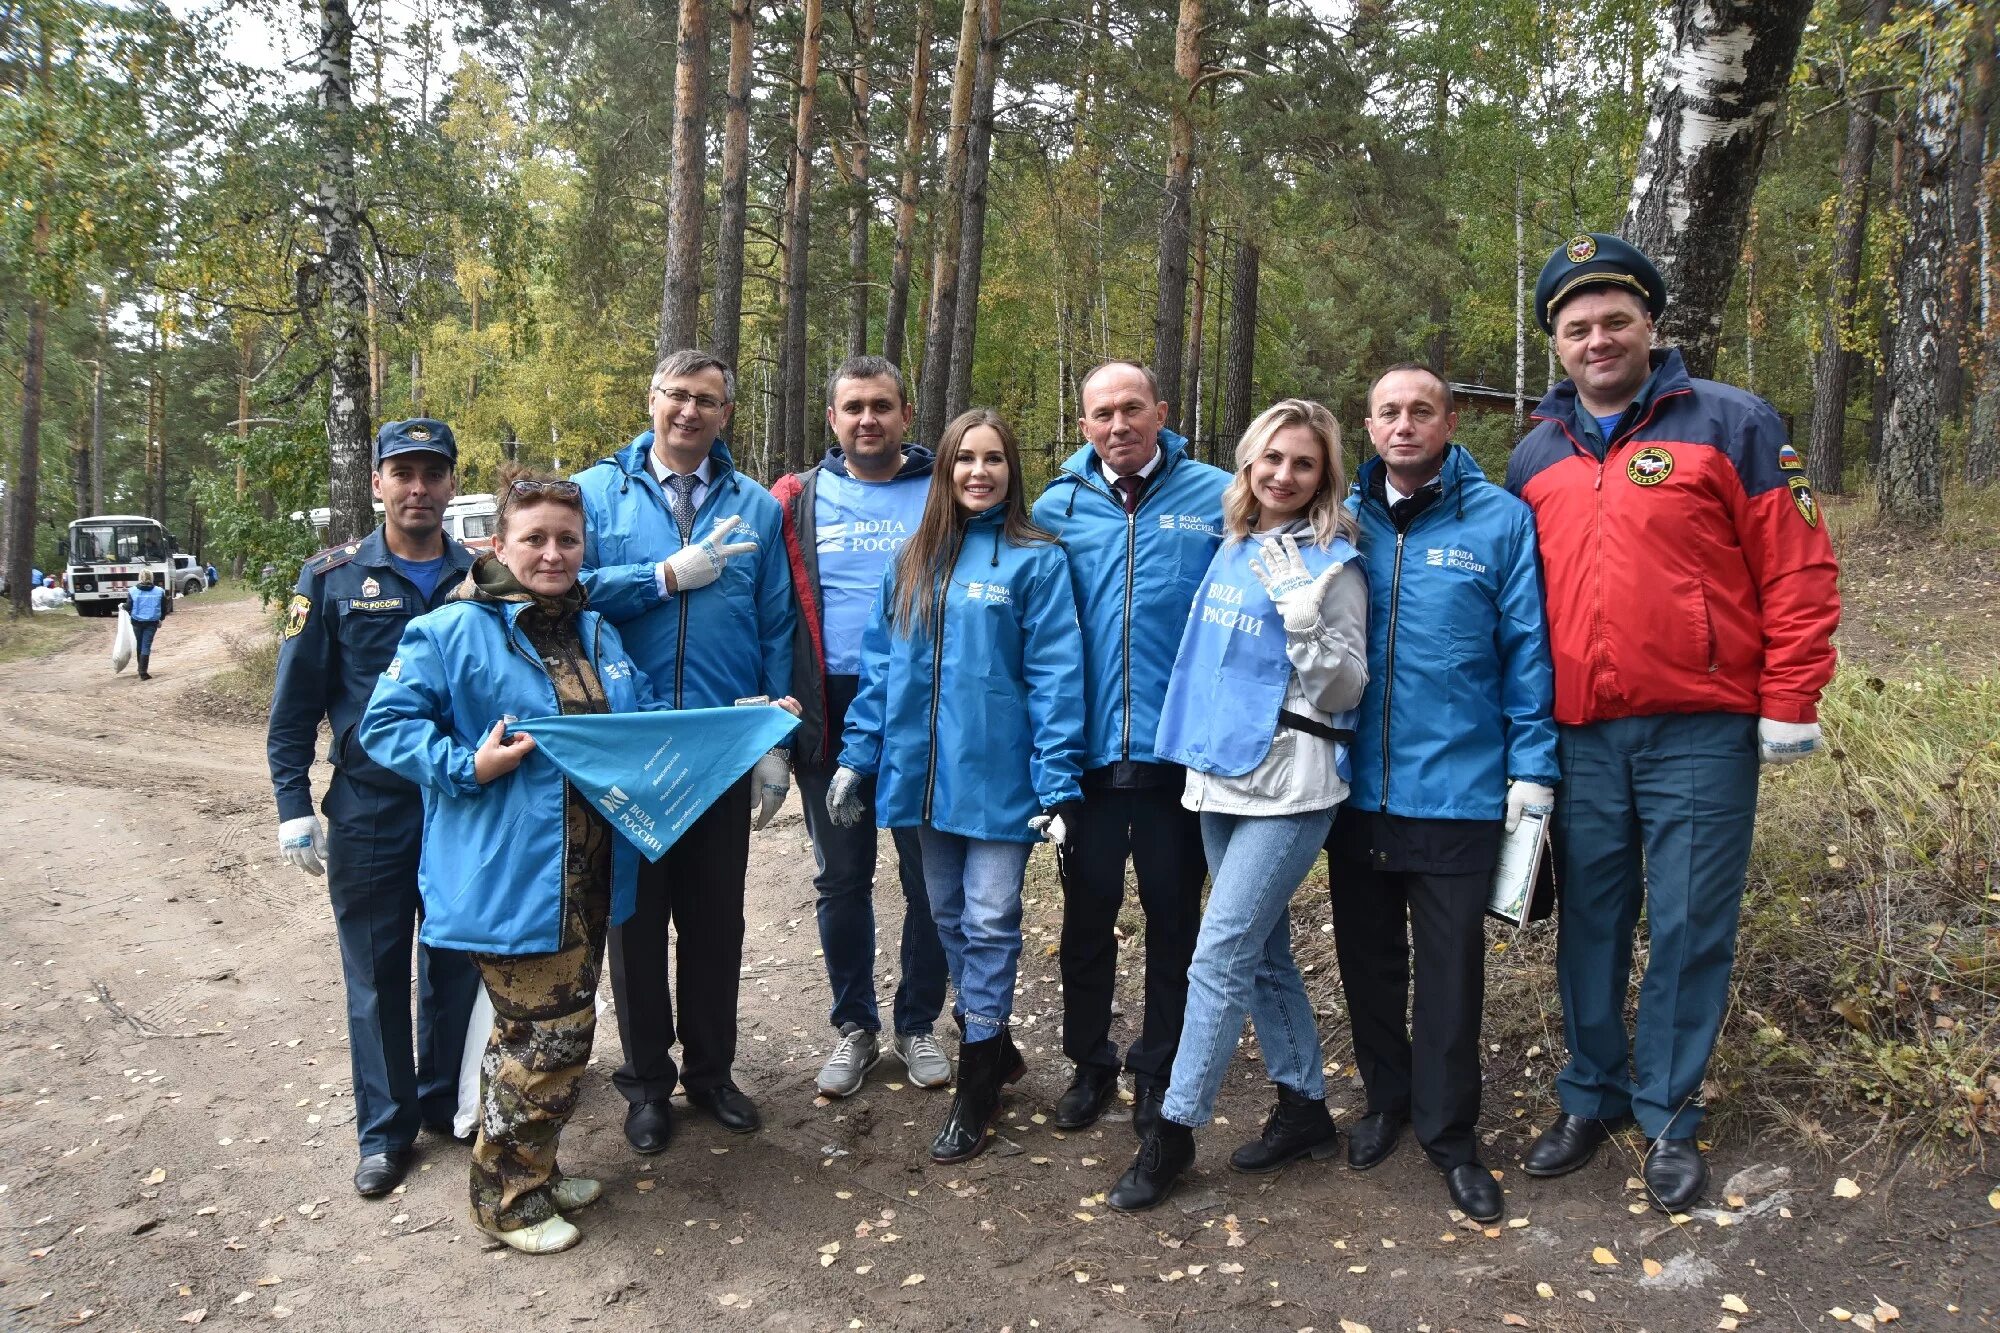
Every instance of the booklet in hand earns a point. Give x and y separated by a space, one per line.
1524 879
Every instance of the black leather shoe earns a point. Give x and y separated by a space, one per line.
1475 1192
1675 1174
1163 1158
1298 1126
731 1109
380 1172
1147 1099
1372 1138
648 1126
1565 1145
1085 1098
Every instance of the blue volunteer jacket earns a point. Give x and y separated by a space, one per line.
1460 688
712 646
492 866
148 604
1135 576
979 735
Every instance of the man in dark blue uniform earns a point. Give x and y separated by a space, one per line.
341 630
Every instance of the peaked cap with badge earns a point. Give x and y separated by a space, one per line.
1591 260
417 435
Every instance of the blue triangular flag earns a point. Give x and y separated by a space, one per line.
652 774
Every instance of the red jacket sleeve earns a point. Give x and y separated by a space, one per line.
1784 540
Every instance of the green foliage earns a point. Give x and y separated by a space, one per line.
285 475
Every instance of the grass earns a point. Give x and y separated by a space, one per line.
242 690
40 634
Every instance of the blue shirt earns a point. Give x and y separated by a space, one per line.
858 527
424 574
1604 424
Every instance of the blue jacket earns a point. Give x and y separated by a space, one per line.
1460 688
739 627
983 735
1135 577
492 866
148 604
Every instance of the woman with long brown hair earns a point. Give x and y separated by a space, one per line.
970 718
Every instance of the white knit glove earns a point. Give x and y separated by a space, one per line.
1528 798
843 797
771 778
302 842
701 564
1291 586
1782 742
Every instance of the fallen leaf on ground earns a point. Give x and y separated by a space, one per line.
1846 1189
159 1177
194 1316
1734 1304
1886 1313
1652 1267
913 1279
1349 1326
1600 1255
1545 1291
1515 1321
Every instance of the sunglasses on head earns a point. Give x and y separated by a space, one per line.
555 490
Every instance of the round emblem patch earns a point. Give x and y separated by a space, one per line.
1802 500
1581 249
418 432
1650 466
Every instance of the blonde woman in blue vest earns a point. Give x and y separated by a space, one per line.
1260 711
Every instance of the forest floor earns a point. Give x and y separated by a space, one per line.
176 1125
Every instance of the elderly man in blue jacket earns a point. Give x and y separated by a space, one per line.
683 554
1454 744
1141 520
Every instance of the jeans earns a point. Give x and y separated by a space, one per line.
143 632
1243 962
975 890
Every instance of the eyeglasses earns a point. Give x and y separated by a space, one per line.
554 490
681 398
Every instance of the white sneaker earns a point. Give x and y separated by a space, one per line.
856 1053
545 1237
574 1192
924 1058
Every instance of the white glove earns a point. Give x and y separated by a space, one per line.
843 797
771 778
1782 742
1528 798
701 564
1051 828
302 842
1292 588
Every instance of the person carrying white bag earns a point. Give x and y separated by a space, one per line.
124 643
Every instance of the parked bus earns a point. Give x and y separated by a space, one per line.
469 518
106 555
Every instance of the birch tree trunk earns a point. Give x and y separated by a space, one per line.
935 378
1726 66
680 295
1909 482
339 214
1520 306
1170 317
726 328
1191 406
858 210
1825 448
972 226
792 374
1241 360
897 314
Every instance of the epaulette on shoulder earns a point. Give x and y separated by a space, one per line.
333 557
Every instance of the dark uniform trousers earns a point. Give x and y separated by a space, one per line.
1148 826
1394 881
697 887
374 839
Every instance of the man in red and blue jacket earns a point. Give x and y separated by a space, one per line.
1692 598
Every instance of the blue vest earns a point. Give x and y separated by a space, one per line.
1231 673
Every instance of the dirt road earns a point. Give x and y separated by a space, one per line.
176 1137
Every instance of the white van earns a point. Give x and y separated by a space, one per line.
470 518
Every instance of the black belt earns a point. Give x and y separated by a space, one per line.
1300 722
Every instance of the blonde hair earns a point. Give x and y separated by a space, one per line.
1327 515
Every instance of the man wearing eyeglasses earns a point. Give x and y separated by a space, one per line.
682 553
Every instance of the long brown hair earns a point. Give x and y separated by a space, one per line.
1326 513
926 559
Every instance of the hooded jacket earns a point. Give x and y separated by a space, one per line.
979 728
1459 684
797 494
1135 577
1687 565
493 856
714 645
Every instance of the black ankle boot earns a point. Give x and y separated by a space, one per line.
982 1066
143 660
1298 1126
1163 1159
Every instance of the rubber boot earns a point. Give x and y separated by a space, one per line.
981 1067
144 658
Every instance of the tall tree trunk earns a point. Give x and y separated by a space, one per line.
1961 326
897 315
1727 64
156 416
1242 358
1191 406
1170 316
972 225
935 380
680 295
859 211
23 497
1982 446
1520 306
726 335
97 405
1909 484
1825 449
792 355
339 214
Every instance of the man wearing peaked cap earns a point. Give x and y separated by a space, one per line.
1692 598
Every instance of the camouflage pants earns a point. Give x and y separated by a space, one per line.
544 1018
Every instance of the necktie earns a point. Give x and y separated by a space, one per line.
1128 492
683 489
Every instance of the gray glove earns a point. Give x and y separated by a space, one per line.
843 798
771 779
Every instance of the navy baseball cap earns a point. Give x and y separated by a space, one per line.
417 435
1596 260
